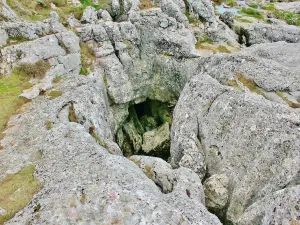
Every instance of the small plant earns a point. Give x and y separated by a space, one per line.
48 125
289 102
72 114
250 84
33 70
253 5
54 94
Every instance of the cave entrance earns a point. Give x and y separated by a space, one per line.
146 131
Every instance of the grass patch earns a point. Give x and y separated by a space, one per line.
16 191
269 7
289 18
223 49
33 70
54 94
87 59
253 5
250 84
33 10
289 102
48 125
252 13
243 20
10 89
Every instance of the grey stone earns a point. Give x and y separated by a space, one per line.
3 37
89 15
216 191
157 142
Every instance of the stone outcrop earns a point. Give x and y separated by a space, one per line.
237 131
151 132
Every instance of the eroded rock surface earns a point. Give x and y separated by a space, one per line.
98 144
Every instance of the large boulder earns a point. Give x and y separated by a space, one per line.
265 33
232 128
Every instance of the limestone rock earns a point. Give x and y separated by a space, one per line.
89 15
3 37
203 8
266 33
157 142
227 18
216 191
239 133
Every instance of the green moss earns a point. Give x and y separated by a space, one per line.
253 5
290 103
54 94
223 49
48 125
250 84
57 79
16 191
10 89
167 54
234 84
252 13
269 7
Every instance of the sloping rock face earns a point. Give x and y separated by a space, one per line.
237 131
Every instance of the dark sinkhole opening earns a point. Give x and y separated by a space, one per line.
146 130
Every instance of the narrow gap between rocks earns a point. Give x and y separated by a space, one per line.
146 130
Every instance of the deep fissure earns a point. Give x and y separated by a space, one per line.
146 130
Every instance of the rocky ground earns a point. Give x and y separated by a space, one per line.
149 112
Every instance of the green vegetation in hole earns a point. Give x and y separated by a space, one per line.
72 114
289 102
33 70
10 89
250 84
54 94
252 13
16 191
253 5
84 71
48 125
